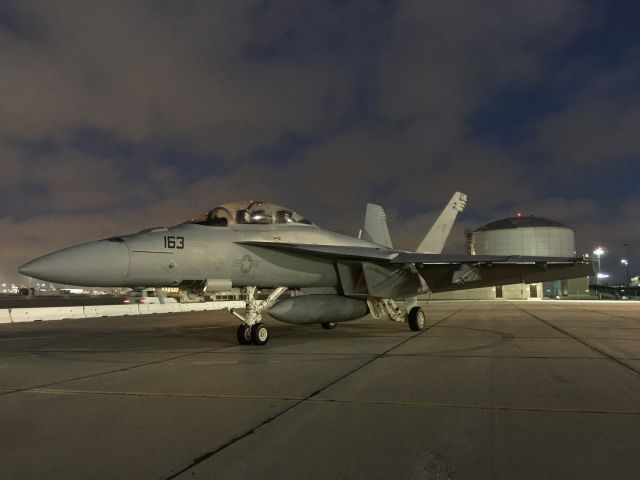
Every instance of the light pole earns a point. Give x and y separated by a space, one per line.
625 262
598 252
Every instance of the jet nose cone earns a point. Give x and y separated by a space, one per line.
30 269
104 263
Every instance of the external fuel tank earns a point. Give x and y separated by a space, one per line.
307 309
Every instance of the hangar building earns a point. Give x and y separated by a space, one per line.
522 235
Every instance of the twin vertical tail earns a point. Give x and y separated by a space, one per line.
376 229
375 226
437 236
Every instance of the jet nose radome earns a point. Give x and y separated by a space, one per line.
104 263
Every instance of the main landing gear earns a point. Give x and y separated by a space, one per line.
417 319
388 308
251 330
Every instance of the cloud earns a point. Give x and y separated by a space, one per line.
446 58
65 180
143 72
593 133
13 171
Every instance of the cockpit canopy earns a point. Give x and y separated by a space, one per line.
249 212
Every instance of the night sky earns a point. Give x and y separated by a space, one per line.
121 115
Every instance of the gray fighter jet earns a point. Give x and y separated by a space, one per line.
335 278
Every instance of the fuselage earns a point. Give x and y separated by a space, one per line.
190 253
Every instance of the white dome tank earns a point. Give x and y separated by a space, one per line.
530 236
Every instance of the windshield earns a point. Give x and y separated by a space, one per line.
249 213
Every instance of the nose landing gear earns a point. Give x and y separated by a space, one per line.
258 334
244 334
251 330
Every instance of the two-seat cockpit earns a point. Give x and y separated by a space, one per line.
249 213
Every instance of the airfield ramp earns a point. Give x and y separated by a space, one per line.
492 390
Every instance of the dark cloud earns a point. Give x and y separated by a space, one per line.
143 72
446 58
115 116
594 133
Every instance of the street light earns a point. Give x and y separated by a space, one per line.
598 252
625 262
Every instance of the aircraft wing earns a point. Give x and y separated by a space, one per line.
386 273
486 271
456 272
432 258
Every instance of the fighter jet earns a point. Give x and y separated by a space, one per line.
256 245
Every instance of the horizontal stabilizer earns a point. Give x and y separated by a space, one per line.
437 236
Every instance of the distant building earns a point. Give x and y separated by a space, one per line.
529 236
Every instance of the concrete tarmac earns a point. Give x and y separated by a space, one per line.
39 301
492 390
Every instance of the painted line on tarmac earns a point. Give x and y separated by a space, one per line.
6 390
495 357
117 370
64 391
429 405
336 401
600 312
32 337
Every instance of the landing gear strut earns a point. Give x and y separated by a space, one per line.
251 330
387 308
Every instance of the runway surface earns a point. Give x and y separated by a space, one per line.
492 390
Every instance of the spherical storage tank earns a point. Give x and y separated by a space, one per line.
531 236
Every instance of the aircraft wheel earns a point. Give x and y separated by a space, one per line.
259 334
417 319
244 334
329 325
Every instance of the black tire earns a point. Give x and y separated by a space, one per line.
244 334
329 325
417 319
259 334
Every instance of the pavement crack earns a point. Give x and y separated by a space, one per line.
581 341
310 397
98 374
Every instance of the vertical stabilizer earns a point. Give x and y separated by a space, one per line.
437 236
375 226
